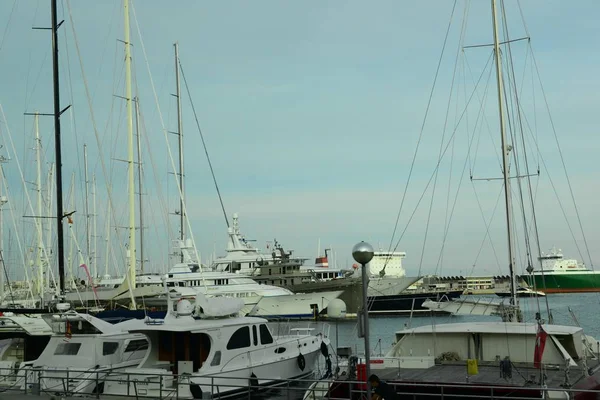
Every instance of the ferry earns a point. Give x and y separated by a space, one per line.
560 275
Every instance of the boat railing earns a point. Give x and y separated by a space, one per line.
170 386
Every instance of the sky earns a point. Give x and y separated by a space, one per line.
311 114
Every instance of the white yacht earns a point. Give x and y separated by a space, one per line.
188 279
202 350
81 351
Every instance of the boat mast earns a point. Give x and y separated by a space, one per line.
38 261
130 159
506 148
94 258
46 260
139 170
87 206
180 140
58 155
3 201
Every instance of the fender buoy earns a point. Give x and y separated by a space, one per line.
324 350
301 362
253 382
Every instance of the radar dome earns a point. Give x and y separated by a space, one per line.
184 307
336 309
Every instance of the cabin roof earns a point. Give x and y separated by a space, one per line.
189 324
507 328
33 326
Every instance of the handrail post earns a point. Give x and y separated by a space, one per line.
160 383
128 383
26 374
98 383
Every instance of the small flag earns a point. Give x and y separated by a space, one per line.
68 334
540 343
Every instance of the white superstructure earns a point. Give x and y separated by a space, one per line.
388 262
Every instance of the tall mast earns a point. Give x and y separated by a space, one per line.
3 201
180 138
94 230
107 240
87 207
130 159
139 168
40 239
505 160
58 155
46 260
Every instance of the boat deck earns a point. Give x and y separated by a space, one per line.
488 375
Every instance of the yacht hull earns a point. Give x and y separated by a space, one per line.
407 303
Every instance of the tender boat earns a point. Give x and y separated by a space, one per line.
202 350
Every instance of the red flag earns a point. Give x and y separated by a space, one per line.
540 343
68 334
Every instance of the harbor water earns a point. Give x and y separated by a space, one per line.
585 309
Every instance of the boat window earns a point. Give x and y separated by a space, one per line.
279 350
240 339
109 348
216 359
67 349
265 335
254 335
136 345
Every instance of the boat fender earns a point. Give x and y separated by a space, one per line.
196 391
324 350
301 362
253 382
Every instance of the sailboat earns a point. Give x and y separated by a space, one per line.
482 359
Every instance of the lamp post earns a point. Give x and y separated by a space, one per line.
363 253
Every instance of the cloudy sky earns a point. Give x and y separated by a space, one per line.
311 114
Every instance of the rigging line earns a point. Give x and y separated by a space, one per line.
439 162
412 165
460 181
72 108
26 192
562 159
107 40
22 252
470 140
482 101
187 88
168 146
5 33
95 127
447 116
158 188
527 170
487 225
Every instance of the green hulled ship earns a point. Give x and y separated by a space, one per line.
560 275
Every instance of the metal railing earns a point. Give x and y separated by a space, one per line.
139 385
